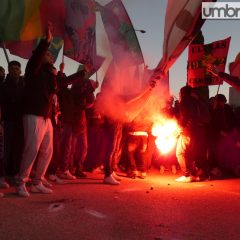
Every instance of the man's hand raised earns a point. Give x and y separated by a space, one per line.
49 30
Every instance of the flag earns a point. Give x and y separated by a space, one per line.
21 49
23 22
127 63
20 20
73 22
53 11
200 56
80 28
121 34
182 23
24 49
26 20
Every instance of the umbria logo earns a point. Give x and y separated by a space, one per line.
221 10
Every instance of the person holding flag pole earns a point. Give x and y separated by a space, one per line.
234 81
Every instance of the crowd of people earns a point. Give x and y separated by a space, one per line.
45 117
204 150
52 131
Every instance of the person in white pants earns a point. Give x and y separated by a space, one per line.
38 137
40 87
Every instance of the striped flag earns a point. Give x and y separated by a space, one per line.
182 23
20 20
24 20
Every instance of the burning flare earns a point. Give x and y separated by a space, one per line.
166 132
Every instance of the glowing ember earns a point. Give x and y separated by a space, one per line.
166 132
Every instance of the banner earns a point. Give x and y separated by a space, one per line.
200 56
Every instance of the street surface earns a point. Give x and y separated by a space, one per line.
157 208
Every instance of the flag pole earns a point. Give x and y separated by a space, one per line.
218 89
97 76
63 52
5 51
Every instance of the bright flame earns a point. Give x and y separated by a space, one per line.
166 131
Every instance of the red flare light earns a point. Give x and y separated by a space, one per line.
166 132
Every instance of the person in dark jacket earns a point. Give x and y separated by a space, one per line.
2 75
63 130
83 98
222 124
2 167
62 133
12 99
40 87
192 119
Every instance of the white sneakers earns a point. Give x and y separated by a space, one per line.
142 175
67 175
22 190
40 188
111 180
118 178
184 179
55 178
46 183
3 183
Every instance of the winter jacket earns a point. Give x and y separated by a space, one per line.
12 98
40 83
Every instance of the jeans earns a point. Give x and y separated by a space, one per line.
13 146
137 145
80 148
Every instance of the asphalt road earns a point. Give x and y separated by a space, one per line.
157 208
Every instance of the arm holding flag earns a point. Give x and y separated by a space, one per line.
39 53
64 81
234 81
78 77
